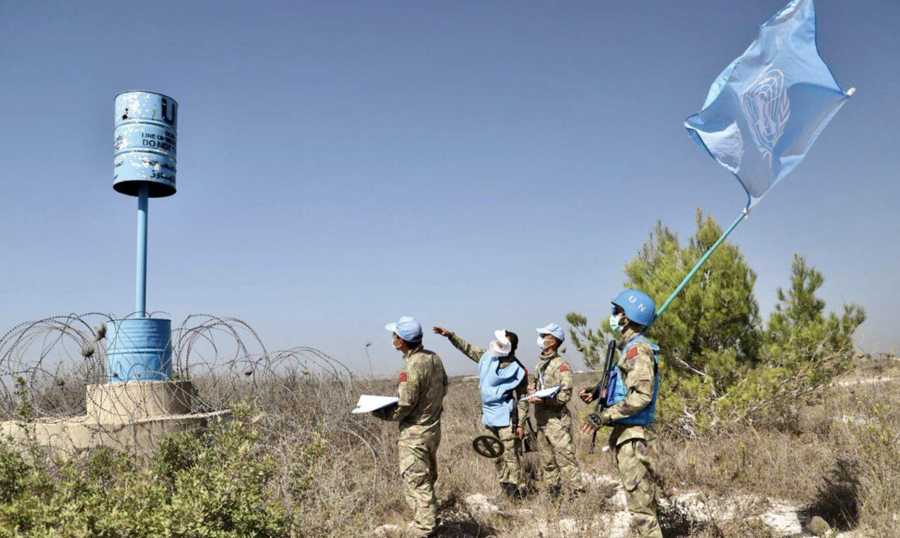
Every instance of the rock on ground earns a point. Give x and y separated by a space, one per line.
481 506
386 531
818 526
781 517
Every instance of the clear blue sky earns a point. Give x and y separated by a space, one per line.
474 164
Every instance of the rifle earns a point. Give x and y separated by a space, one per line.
601 388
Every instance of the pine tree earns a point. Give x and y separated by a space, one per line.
800 333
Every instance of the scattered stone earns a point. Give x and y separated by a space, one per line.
618 528
870 381
697 507
568 526
480 506
694 506
619 501
782 518
564 528
818 526
600 481
854 420
387 531
524 513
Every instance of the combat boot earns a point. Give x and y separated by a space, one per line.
555 491
510 490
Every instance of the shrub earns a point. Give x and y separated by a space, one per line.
213 484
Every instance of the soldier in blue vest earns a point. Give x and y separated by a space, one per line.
631 408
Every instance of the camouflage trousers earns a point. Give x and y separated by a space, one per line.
636 464
558 451
508 466
418 469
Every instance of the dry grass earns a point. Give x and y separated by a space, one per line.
847 471
337 473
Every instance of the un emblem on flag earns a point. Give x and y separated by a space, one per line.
768 109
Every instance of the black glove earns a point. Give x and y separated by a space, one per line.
596 421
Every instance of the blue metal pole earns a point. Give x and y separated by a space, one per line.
702 260
141 276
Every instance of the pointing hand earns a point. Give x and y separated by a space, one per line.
442 331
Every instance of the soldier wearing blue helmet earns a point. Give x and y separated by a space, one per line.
630 407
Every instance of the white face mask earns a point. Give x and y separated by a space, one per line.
615 321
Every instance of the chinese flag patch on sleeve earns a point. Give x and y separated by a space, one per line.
564 368
403 377
632 353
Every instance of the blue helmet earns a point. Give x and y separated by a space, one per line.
638 306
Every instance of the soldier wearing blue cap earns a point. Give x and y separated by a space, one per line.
631 408
423 384
554 422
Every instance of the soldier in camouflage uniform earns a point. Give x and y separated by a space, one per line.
554 422
632 396
504 413
423 384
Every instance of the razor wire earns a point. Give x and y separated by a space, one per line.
49 366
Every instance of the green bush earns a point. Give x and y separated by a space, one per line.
214 484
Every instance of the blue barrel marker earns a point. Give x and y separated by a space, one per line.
139 349
146 144
144 166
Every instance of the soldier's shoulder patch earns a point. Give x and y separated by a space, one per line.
403 377
564 368
632 353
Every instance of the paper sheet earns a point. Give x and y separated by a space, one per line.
368 403
546 393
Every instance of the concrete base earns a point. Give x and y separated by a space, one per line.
70 436
132 417
136 400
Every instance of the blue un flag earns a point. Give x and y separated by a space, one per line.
765 110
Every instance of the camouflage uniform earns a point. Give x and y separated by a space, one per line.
509 469
634 446
554 423
423 384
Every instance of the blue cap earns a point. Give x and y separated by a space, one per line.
406 328
553 329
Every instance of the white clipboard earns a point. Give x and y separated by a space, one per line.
546 393
368 403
